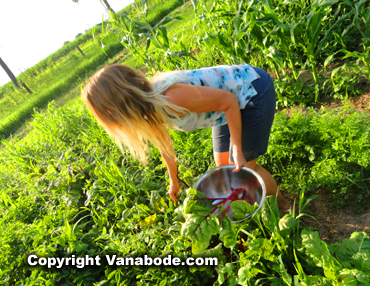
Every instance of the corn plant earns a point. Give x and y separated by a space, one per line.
139 36
362 21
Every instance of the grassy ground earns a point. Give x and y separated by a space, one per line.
62 77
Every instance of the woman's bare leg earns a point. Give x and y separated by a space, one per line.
271 186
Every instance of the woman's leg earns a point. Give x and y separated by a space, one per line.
222 158
271 186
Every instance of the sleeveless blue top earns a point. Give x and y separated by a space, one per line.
235 78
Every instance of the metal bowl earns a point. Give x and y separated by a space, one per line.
216 183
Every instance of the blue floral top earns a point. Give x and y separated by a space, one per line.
236 79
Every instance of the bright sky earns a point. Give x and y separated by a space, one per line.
32 30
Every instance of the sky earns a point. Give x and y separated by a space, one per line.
32 30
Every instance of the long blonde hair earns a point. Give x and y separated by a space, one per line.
131 109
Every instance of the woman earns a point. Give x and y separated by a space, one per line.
238 102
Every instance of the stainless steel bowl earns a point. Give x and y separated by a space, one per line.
216 183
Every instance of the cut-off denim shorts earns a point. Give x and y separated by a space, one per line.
257 118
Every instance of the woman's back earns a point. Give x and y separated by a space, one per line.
236 78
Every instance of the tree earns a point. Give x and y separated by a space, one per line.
9 72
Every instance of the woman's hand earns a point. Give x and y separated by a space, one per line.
174 190
239 161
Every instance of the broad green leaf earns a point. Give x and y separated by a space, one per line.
144 208
260 248
199 207
80 247
61 240
155 201
331 266
314 247
200 229
362 261
232 280
245 273
241 209
287 224
270 213
352 277
359 241
106 39
228 232
229 267
199 210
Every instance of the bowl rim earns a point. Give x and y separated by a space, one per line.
259 178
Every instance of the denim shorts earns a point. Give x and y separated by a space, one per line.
257 118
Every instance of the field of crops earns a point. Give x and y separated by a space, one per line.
67 190
55 76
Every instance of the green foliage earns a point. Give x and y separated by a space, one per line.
322 149
67 190
287 37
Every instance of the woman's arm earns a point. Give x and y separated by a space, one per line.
207 99
171 165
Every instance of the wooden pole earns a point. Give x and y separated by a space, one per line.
78 48
26 88
9 72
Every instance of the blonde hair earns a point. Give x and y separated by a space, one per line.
131 109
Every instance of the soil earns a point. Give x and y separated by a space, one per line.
333 225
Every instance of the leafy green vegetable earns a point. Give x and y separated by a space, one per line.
228 232
241 208
200 229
